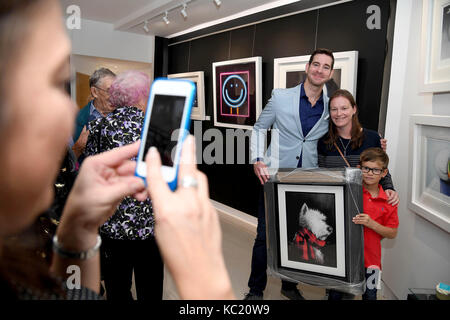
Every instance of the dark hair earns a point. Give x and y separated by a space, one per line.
325 52
98 75
356 133
374 154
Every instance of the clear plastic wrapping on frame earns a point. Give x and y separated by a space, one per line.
310 234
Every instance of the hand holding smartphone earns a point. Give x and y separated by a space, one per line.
166 125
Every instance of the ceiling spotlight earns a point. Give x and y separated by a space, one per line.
165 18
146 26
218 3
183 11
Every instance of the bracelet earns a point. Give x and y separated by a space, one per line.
83 255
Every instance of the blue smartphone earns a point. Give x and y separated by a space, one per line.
166 125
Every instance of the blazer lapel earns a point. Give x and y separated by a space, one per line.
296 109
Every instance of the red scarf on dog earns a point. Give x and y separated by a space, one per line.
306 240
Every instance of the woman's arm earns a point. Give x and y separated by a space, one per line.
187 230
104 180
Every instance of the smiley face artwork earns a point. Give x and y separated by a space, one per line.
237 92
234 94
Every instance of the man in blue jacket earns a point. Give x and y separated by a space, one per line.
299 117
99 106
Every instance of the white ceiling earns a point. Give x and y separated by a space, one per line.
130 15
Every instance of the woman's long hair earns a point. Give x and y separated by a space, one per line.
356 132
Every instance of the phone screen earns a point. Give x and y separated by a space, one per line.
166 116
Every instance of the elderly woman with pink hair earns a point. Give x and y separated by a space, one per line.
128 242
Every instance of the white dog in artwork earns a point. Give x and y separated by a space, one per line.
312 234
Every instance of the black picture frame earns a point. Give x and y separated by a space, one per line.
343 256
237 92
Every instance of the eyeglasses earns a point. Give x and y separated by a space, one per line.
374 170
104 90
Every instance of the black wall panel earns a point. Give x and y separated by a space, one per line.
179 58
242 42
290 36
343 28
340 28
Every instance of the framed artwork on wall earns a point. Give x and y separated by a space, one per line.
429 167
198 77
310 234
290 71
237 92
435 51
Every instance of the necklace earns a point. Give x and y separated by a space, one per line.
345 147
313 100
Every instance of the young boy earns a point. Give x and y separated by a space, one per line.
380 219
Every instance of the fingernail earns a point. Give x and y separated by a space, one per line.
153 151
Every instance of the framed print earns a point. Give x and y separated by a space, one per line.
429 167
435 51
237 92
198 108
290 72
311 220
310 234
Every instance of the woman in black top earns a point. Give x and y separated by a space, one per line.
346 136
347 139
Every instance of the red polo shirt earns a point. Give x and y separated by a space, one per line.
385 214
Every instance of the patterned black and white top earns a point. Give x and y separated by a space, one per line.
133 219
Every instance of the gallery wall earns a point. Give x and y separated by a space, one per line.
341 27
419 257
96 44
99 39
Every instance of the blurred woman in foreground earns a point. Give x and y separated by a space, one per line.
36 121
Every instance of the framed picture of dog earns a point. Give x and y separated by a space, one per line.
311 220
311 236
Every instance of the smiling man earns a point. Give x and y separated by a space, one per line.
300 117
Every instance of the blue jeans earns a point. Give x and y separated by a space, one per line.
258 276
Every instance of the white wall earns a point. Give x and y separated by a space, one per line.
98 39
420 255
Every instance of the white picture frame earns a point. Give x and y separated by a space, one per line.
288 202
428 194
248 72
345 70
198 77
435 46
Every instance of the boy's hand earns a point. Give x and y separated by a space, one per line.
364 219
